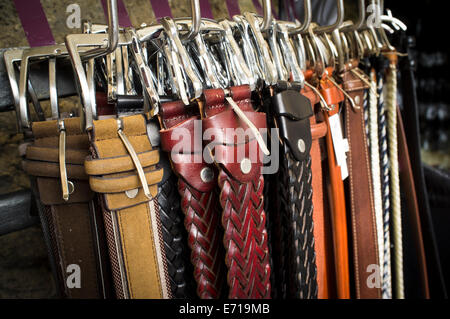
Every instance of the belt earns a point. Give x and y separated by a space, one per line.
73 227
385 189
335 188
408 187
174 234
199 201
391 112
131 213
292 111
364 236
411 122
320 214
241 187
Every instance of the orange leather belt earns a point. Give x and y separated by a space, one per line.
73 227
335 187
132 223
364 236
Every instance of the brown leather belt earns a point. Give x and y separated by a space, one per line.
74 227
132 223
241 192
199 200
364 236
408 187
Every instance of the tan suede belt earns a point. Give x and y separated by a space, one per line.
131 217
364 236
73 227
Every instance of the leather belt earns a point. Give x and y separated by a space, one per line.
174 235
365 249
241 192
132 222
324 253
408 187
294 212
199 200
74 227
336 195
411 122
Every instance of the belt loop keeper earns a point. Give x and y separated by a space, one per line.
134 158
66 185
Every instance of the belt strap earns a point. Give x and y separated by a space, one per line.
365 248
320 214
374 152
408 187
241 193
336 195
411 122
199 201
74 226
391 108
174 235
292 112
385 191
132 222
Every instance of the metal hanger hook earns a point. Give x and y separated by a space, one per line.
196 22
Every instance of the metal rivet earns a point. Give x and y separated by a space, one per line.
246 166
206 174
357 99
301 145
132 193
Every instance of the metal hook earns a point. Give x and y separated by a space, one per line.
337 23
196 22
357 25
267 17
307 21
113 32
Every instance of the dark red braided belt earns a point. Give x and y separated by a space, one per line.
241 192
199 201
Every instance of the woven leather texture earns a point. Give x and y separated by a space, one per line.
247 253
175 240
202 222
296 213
269 210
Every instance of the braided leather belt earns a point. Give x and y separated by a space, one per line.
72 227
174 234
293 213
123 170
321 218
241 192
199 201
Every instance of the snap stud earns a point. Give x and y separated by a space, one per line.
246 166
206 174
132 193
301 145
